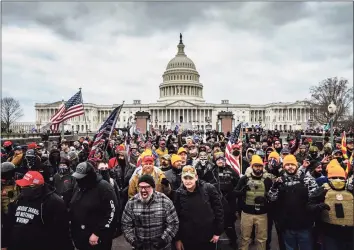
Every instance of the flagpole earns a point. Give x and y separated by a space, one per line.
62 125
82 101
241 135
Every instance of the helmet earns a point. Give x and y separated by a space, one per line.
7 143
7 167
313 149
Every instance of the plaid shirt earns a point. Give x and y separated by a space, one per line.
150 221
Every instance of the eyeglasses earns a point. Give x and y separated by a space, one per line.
147 188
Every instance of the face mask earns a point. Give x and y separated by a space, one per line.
88 181
203 162
337 184
31 161
32 192
121 162
105 174
63 170
313 155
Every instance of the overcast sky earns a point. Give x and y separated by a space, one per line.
253 53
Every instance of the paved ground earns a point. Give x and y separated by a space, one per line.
121 244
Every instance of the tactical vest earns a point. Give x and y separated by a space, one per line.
338 201
257 190
9 193
225 179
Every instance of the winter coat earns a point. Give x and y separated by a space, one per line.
209 173
64 186
200 213
291 200
93 211
41 223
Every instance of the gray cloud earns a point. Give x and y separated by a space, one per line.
245 52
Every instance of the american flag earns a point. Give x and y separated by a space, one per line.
72 108
105 131
230 159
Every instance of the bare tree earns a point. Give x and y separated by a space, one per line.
330 90
11 111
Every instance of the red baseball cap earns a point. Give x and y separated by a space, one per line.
120 148
32 145
148 158
31 178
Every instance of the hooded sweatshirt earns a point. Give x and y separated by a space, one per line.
41 223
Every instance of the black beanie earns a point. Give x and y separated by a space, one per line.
148 179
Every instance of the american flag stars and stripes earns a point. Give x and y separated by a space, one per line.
105 130
72 108
230 159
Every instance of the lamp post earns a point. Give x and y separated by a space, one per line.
332 110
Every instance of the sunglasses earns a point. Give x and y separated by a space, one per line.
144 188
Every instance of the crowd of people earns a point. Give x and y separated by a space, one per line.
177 190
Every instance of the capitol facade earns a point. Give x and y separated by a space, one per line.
182 102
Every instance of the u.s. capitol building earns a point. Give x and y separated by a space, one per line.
182 102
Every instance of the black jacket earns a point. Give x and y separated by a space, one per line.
41 223
200 213
208 173
64 186
93 210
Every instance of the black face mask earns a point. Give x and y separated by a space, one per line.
105 174
88 181
314 155
121 162
31 162
31 193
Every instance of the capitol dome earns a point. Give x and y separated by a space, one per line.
181 79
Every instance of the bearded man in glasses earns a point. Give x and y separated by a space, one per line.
149 219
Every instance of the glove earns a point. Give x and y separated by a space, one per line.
159 243
137 245
165 182
323 206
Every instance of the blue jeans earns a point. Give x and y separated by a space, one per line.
298 239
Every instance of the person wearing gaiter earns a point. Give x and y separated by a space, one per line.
39 216
93 210
64 182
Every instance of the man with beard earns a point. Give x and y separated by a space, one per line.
251 191
338 155
174 174
165 163
277 146
149 219
39 217
64 182
133 154
93 210
207 171
302 154
148 168
291 193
